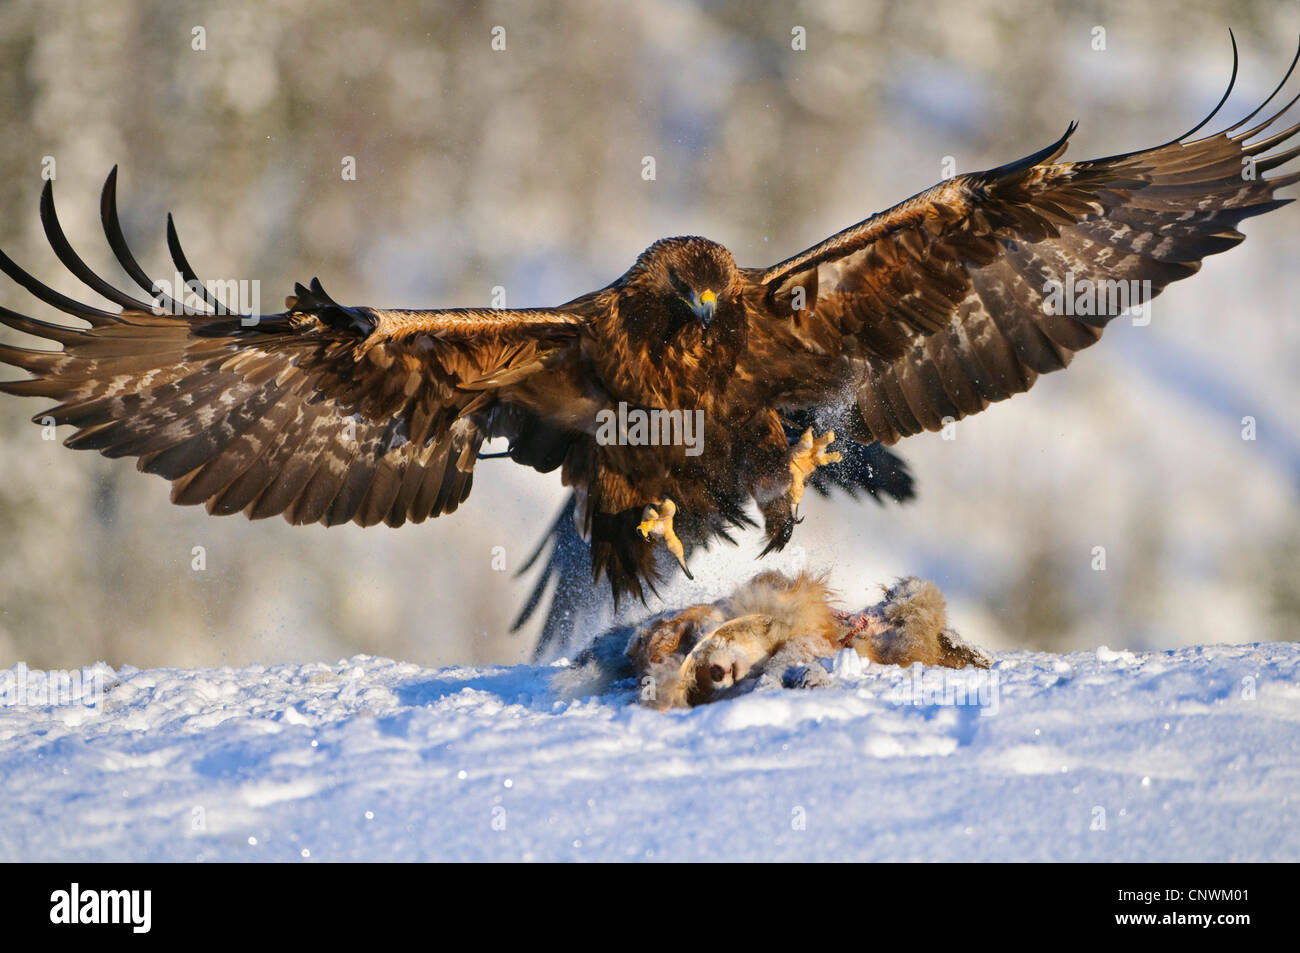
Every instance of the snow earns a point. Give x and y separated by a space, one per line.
1191 754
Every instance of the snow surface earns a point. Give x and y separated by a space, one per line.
1192 754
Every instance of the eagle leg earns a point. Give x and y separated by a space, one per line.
805 457
657 520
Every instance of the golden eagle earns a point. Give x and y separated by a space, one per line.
669 399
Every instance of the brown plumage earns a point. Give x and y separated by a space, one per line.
926 312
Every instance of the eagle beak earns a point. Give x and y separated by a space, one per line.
704 306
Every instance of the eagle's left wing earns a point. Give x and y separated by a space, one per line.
963 294
322 413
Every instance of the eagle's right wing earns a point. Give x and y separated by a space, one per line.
323 413
963 294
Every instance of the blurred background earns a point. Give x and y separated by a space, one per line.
522 168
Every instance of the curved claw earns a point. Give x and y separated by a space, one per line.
657 520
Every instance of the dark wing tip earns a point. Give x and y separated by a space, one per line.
1046 154
1232 82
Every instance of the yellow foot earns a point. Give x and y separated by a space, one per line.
805 457
657 520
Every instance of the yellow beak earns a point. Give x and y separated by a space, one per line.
704 307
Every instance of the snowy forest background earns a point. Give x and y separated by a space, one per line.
522 169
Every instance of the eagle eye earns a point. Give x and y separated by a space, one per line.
679 286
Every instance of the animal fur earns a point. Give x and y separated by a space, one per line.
772 632
910 625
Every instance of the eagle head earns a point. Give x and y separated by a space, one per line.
684 291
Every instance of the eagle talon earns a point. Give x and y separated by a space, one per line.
805 457
657 520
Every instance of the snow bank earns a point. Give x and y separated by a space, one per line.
1192 754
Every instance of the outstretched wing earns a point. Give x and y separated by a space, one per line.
323 413
959 296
